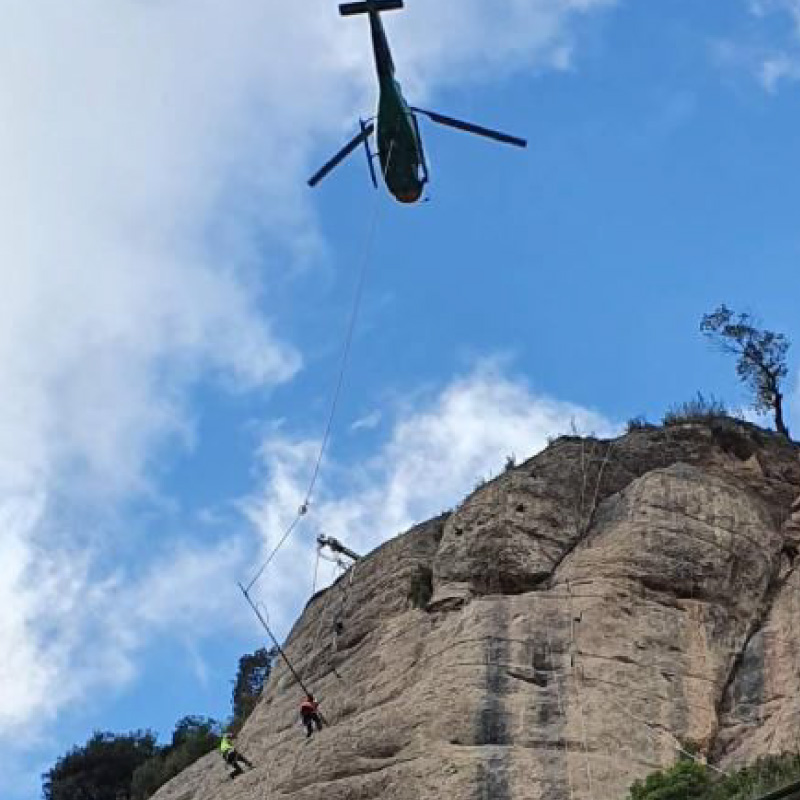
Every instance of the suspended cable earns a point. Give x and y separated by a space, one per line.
348 342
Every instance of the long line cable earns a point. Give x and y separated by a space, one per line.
337 391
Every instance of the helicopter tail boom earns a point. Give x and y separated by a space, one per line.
369 6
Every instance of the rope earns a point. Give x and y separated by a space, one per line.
345 595
348 342
586 758
300 513
651 729
561 710
322 612
578 673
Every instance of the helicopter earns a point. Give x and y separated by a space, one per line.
399 143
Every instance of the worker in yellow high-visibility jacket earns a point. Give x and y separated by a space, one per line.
231 755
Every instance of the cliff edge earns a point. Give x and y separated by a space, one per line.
567 629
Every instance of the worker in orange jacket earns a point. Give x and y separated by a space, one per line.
309 714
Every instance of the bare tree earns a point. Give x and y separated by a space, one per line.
761 357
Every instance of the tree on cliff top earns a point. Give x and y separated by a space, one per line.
761 357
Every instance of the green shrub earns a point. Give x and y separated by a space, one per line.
639 423
192 738
689 780
699 409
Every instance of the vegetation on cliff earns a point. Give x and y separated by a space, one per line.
761 358
133 765
690 780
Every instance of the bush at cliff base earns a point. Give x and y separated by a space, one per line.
689 780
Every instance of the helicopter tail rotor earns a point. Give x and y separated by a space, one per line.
348 9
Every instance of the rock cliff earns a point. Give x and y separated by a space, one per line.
568 628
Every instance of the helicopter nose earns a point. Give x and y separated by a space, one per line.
409 195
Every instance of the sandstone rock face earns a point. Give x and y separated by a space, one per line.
761 714
570 627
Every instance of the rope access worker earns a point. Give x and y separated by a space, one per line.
231 755
309 714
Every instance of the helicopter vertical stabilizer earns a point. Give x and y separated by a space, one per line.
348 9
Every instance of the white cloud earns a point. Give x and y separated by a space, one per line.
88 630
762 8
430 461
147 150
772 59
368 422
778 68
458 41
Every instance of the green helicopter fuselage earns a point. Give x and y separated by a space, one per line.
399 144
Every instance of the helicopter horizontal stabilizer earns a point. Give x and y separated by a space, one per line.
348 9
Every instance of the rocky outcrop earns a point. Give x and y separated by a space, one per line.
570 627
761 713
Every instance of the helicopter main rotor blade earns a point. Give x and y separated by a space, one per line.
366 132
470 127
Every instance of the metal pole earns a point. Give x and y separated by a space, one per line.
274 640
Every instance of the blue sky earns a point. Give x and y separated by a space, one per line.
176 299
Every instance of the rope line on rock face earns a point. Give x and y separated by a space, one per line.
562 710
578 693
339 383
659 734
323 611
578 672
